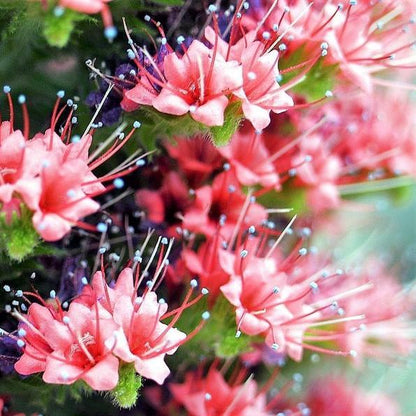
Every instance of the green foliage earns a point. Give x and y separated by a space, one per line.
289 197
32 394
222 324
18 236
318 80
127 391
156 125
58 29
218 336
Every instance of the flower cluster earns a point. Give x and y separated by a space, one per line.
103 329
204 396
203 81
286 299
259 121
350 400
49 176
362 38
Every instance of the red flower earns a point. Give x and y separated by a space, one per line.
222 204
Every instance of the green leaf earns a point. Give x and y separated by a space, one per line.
218 336
318 80
289 197
221 135
156 125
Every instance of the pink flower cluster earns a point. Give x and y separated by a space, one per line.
52 179
51 175
268 287
288 299
204 80
103 328
350 399
204 395
362 38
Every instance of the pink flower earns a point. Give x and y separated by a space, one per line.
100 291
373 133
204 263
387 331
249 157
143 93
18 166
319 170
103 328
350 400
142 338
85 6
148 339
82 348
35 328
277 297
198 83
255 290
212 395
166 205
261 91
152 203
197 158
342 29
51 177
68 346
61 201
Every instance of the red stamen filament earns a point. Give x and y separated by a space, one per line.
53 121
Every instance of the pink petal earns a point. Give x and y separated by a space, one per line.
124 284
51 227
30 190
104 375
212 112
83 6
176 69
258 116
59 372
140 94
153 368
170 103
29 365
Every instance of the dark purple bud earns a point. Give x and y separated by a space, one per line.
112 116
9 354
73 278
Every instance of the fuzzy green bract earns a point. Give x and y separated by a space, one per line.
18 237
127 391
